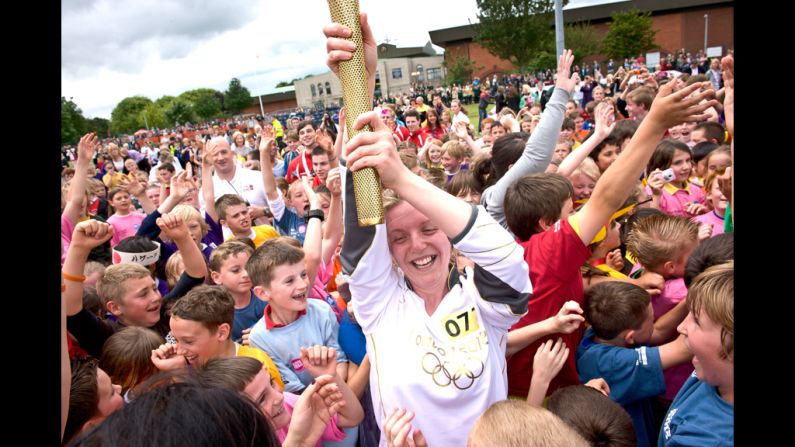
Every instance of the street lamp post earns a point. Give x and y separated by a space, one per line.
706 28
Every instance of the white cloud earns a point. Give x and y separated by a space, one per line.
112 49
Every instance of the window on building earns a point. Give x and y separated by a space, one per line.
320 88
420 74
328 88
434 73
314 90
397 73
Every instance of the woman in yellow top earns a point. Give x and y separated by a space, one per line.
112 177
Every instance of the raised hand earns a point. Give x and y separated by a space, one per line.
656 182
320 360
339 48
397 427
173 227
549 360
605 119
673 108
600 385
375 149
727 65
461 130
569 317
90 234
87 147
166 358
311 195
704 231
314 409
566 79
131 184
334 182
615 260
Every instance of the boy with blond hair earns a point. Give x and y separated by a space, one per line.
662 245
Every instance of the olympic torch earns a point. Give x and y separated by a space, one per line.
353 76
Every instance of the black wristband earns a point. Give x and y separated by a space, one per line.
314 213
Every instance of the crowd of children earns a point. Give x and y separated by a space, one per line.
236 301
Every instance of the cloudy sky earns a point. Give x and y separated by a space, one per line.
112 49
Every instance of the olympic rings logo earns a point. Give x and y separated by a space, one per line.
463 375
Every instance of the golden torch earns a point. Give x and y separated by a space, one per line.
353 76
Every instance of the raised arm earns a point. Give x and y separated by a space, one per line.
87 235
333 228
341 49
669 109
176 230
567 320
605 123
313 239
322 360
377 149
541 145
134 187
86 149
266 142
208 189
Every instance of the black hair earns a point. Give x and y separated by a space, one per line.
713 251
184 413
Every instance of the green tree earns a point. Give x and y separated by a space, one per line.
124 118
179 111
154 116
206 102
73 124
99 125
236 97
583 41
521 31
459 68
164 101
207 106
631 33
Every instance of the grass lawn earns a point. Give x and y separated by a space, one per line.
472 113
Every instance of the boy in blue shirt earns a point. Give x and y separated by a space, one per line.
622 322
703 411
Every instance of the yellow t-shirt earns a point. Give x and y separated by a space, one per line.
260 234
262 356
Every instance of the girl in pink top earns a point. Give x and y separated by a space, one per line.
677 197
718 202
125 220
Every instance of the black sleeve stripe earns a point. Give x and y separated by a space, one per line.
358 240
468 228
499 292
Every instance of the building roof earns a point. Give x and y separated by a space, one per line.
389 51
275 94
595 14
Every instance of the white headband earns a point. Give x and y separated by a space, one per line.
144 258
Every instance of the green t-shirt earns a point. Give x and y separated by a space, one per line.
728 222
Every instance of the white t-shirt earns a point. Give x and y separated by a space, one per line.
448 367
460 117
247 184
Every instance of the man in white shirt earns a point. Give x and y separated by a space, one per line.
229 178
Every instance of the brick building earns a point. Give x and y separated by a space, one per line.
679 24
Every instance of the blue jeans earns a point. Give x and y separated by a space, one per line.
482 114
